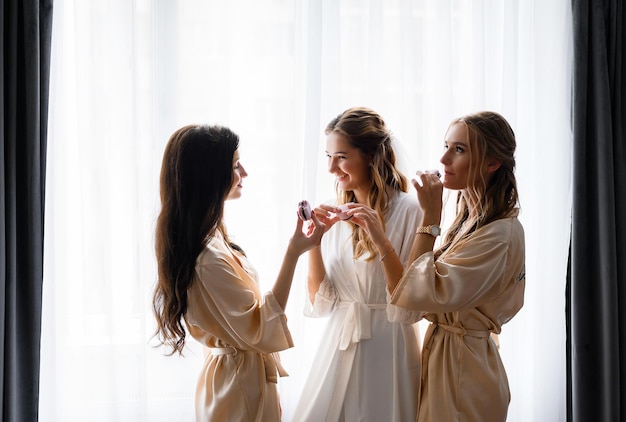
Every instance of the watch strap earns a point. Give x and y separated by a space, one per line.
434 230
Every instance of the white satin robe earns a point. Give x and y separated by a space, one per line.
241 331
366 368
468 294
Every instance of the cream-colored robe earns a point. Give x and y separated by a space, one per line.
242 330
467 294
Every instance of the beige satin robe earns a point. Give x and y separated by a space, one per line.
241 330
467 294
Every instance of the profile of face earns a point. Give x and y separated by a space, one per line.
459 170
346 163
239 173
456 157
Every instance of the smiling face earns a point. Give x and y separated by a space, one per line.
348 165
239 172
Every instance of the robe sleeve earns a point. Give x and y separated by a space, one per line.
325 300
401 315
466 278
224 306
402 229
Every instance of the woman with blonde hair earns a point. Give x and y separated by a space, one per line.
474 282
367 366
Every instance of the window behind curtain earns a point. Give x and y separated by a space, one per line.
126 74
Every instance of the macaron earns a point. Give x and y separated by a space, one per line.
343 211
304 210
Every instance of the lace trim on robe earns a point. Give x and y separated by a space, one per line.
401 315
325 300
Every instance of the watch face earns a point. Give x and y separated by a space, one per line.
435 230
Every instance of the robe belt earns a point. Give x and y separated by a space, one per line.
357 324
271 362
457 329
230 350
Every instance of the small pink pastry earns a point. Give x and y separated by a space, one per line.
304 210
343 209
433 171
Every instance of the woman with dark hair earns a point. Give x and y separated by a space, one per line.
367 366
474 282
206 281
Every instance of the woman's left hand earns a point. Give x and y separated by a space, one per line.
429 190
366 218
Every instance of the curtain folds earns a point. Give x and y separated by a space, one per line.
25 55
597 275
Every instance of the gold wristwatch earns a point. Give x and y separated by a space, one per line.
433 230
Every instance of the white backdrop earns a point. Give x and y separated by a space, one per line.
127 73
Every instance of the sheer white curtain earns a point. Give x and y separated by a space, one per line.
128 73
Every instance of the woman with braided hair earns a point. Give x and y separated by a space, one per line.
474 282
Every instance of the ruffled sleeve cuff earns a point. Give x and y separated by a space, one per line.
421 268
273 310
325 299
401 315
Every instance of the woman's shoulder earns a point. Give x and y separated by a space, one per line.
510 222
504 230
404 212
217 262
214 252
405 201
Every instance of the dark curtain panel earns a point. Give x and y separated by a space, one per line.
25 55
596 301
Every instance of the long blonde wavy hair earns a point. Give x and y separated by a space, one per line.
366 130
490 138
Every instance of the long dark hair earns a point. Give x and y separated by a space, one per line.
366 130
196 177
